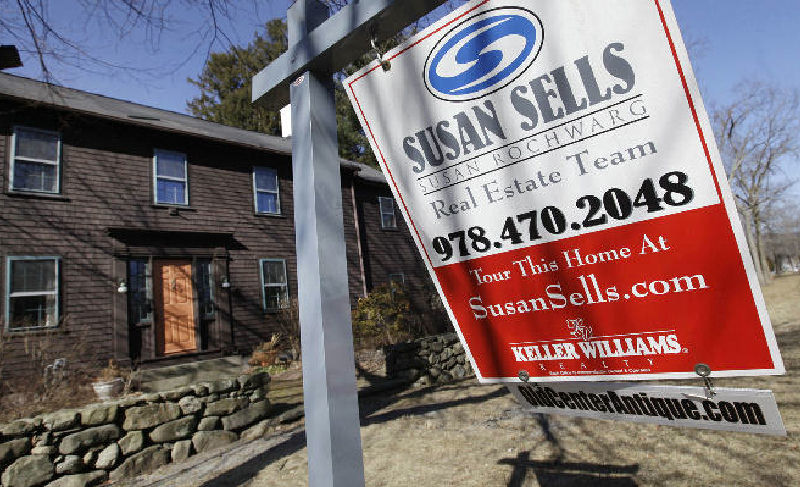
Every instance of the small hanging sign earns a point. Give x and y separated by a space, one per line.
746 410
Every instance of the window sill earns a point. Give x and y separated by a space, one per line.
165 206
270 215
38 195
31 330
270 312
390 229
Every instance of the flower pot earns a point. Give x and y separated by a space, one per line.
105 390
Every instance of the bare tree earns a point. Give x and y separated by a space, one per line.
756 132
33 28
42 38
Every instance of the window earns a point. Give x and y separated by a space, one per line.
35 161
32 287
169 171
398 278
387 207
265 190
274 284
205 286
140 292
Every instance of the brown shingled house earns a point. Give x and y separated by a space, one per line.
160 237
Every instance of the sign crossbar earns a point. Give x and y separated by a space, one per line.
337 42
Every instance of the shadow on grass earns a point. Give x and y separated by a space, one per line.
559 474
297 441
277 408
367 419
251 468
370 377
551 473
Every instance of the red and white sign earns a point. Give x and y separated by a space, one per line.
555 165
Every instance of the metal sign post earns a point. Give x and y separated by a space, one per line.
329 384
317 48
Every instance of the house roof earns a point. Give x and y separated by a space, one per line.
143 115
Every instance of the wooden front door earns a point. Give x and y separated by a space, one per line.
175 308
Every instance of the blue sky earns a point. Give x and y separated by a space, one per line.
738 39
741 40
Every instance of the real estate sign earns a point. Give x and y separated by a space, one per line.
555 165
728 409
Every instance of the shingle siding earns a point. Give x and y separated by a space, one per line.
107 183
393 251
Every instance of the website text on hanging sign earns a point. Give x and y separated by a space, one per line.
555 165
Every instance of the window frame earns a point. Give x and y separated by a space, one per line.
381 213
197 265
156 177
256 192
265 284
393 277
148 281
57 292
14 158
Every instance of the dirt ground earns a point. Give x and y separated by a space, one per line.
467 434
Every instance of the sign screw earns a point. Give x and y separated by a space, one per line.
523 376
702 370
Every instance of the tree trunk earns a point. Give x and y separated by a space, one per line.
748 228
759 241
763 258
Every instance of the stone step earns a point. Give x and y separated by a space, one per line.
174 376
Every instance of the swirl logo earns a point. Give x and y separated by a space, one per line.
483 54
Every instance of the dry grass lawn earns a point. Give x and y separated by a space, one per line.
471 435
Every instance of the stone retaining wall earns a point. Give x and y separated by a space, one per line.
130 436
436 359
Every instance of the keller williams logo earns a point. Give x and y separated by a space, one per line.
578 329
637 344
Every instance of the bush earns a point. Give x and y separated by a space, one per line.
266 353
110 372
382 318
57 375
289 326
